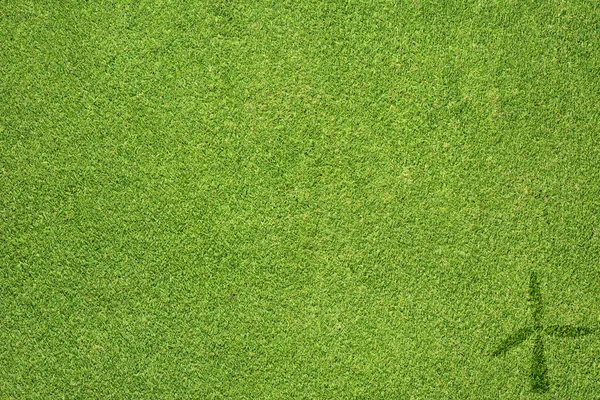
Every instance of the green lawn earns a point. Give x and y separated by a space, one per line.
299 199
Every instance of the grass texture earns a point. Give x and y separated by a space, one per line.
299 199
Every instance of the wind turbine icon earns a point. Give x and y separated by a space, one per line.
539 371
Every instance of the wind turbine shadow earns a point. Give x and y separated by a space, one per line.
539 370
513 340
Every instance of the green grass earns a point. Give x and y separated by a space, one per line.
298 199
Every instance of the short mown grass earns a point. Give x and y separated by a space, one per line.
297 199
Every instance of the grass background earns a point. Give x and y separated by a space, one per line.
278 199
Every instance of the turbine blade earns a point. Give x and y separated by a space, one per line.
568 331
513 340
535 296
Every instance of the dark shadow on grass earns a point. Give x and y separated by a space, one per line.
539 370
535 297
568 331
513 340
